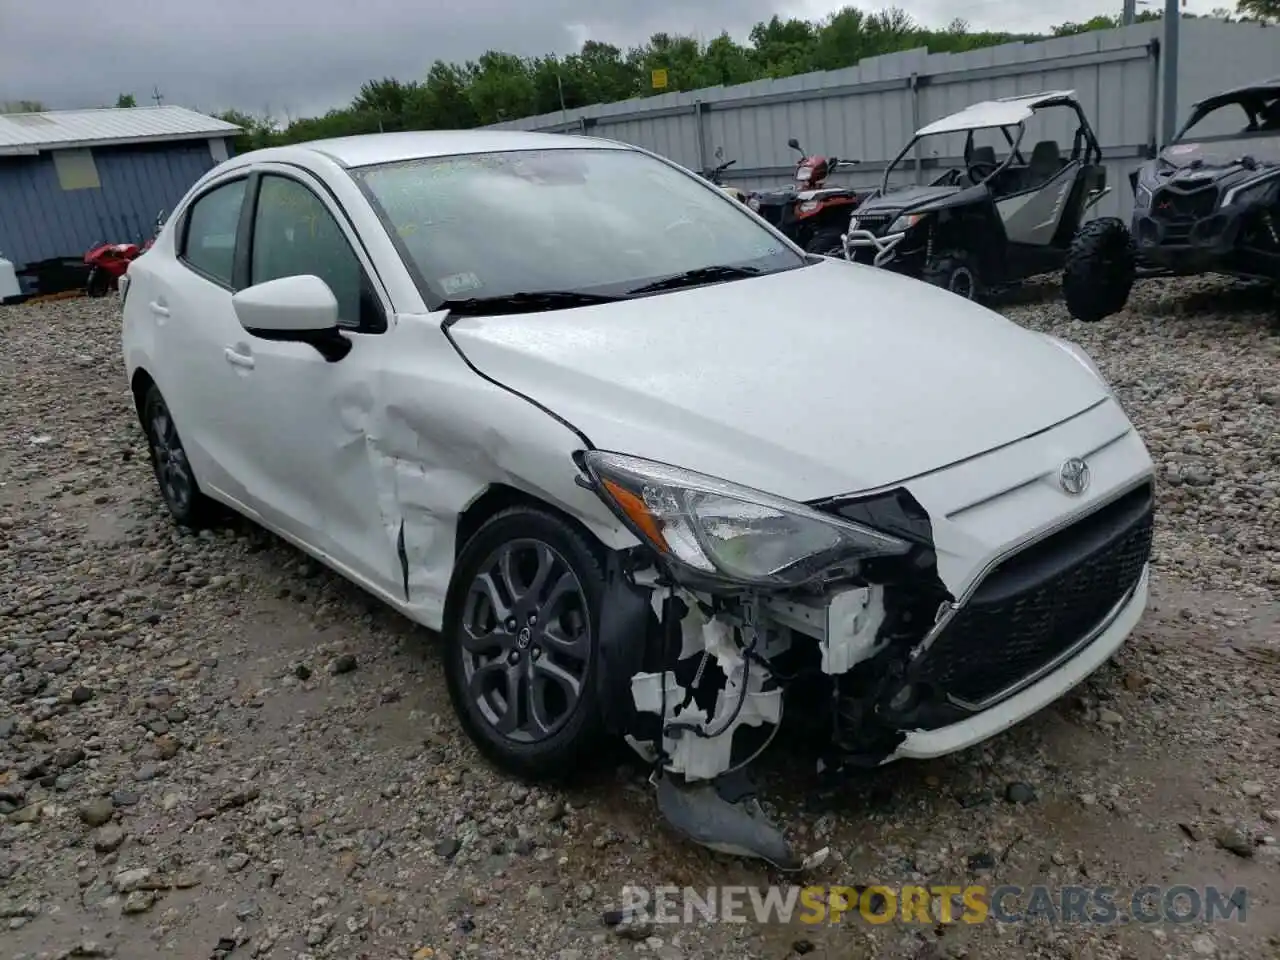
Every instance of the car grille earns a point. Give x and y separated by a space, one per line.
1039 604
1179 211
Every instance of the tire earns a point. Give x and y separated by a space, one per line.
98 284
953 271
515 653
182 495
826 243
1100 270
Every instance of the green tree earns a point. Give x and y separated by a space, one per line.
21 106
126 100
1268 11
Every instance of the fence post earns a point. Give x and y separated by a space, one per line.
1169 51
1153 107
699 108
914 86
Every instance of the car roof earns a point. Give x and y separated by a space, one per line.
373 148
1267 88
1005 112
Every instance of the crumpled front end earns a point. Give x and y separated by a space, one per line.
1012 576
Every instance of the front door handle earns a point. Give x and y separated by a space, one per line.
237 359
159 309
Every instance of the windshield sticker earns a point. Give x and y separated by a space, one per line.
460 283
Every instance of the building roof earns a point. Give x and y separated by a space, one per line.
1006 112
63 129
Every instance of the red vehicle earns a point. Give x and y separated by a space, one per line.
813 215
108 262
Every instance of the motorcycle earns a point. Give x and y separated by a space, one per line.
813 215
108 262
716 175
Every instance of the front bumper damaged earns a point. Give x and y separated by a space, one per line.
1013 593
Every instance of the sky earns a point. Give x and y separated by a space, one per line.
291 58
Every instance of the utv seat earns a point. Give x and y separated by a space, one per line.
1046 161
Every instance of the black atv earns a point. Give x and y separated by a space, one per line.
985 223
1208 203
814 216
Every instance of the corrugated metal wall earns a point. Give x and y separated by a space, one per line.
869 111
39 220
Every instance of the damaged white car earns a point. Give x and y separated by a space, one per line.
652 471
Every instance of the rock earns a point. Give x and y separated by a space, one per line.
237 862
108 839
1109 718
1234 840
1251 788
1202 945
81 695
448 848
302 672
124 798
1019 792
343 664
127 881
96 812
139 901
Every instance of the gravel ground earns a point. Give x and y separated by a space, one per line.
209 747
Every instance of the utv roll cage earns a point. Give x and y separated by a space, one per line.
1259 101
1004 114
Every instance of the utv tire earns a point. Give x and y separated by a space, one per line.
826 243
953 271
1100 270
521 635
182 495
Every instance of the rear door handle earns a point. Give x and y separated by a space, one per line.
159 309
237 359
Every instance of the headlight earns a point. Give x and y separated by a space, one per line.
1141 196
905 222
723 531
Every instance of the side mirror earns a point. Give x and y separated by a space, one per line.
794 144
719 153
299 309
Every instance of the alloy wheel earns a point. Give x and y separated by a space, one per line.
526 640
173 471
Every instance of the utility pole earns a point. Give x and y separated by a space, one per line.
1129 14
1169 61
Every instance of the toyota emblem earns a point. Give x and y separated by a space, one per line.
1073 476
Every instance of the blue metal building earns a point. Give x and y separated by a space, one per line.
72 178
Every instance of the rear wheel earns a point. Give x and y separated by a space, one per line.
182 495
954 271
98 284
1100 270
521 633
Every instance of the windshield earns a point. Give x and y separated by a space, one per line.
591 221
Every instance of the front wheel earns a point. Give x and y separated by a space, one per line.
1100 270
521 634
955 272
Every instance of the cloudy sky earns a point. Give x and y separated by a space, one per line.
300 57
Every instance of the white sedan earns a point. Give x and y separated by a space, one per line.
644 464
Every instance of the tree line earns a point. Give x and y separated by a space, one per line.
502 86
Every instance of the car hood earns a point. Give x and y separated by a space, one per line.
1219 160
905 198
828 379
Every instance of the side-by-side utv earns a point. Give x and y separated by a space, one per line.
987 221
